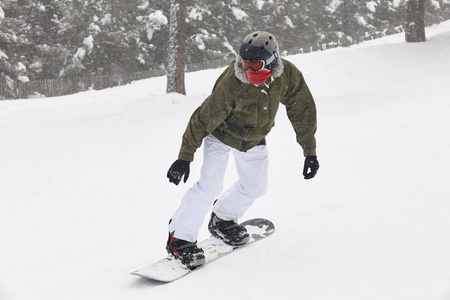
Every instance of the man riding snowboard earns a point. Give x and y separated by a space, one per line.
236 118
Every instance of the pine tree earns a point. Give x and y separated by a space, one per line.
388 17
12 60
177 47
116 37
7 72
415 21
320 25
106 37
74 30
43 39
347 22
155 32
285 19
45 54
215 30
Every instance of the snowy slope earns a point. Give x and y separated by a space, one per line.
84 198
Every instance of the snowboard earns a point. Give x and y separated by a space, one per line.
170 269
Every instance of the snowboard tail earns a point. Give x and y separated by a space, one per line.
170 269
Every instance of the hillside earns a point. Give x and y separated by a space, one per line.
85 201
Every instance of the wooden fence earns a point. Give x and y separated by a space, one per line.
67 86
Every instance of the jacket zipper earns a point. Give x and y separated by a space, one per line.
266 104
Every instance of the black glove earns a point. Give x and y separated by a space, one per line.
310 163
177 170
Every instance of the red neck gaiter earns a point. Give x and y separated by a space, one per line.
259 77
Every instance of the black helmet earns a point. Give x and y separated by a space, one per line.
260 45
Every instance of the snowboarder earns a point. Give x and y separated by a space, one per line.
236 118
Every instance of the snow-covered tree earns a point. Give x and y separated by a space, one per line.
214 29
176 58
285 19
46 55
415 21
115 33
107 37
12 59
43 39
320 25
155 32
387 16
7 73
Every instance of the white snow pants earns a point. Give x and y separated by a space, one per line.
251 167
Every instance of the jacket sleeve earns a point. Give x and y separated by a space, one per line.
207 117
301 110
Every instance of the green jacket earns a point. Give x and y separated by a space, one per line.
241 114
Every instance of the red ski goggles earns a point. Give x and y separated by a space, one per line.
254 65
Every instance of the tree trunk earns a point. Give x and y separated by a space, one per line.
415 21
177 47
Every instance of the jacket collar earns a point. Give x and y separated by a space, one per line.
239 71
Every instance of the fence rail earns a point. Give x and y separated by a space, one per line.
67 86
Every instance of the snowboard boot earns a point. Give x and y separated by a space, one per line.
188 253
229 232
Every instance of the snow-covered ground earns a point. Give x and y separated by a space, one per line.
85 200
